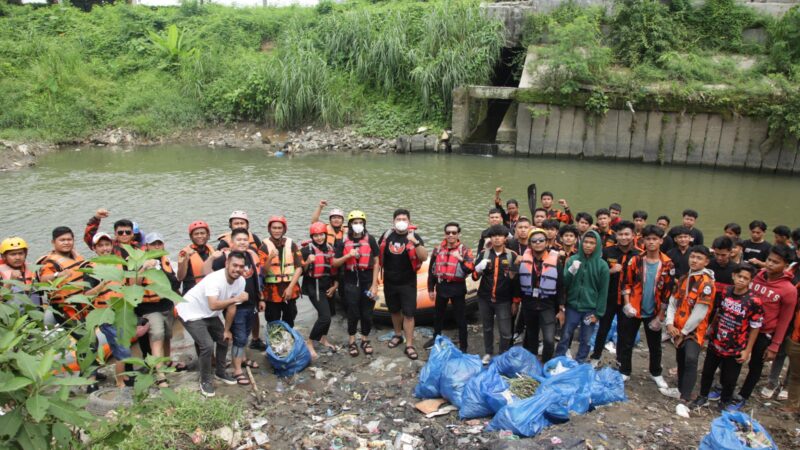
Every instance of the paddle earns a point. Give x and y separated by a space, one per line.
532 197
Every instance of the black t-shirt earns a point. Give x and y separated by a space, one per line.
697 235
613 256
396 263
722 274
250 277
681 261
310 283
758 251
518 247
357 277
255 245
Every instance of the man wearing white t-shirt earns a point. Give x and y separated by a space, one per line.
201 313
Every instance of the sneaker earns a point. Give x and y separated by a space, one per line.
487 358
429 345
94 387
225 378
611 347
714 395
699 402
659 380
767 391
670 392
257 344
518 338
207 389
595 363
625 377
783 395
736 404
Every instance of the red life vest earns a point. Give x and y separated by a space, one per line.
410 251
447 267
321 267
364 259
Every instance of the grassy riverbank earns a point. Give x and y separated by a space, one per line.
65 73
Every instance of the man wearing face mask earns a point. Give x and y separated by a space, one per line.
402 253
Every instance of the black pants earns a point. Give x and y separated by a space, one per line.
536 320
756 365
459 316
359 309
604 327
687 356
323 306
728 374
502 312
285 311
626 337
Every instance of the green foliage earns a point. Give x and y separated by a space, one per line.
171 47
394 116
597 104
718 24
784 46
643 30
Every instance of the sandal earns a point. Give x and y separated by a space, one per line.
411 352
353 349
367 347
241 379
162 383
178 366
251 364
396 340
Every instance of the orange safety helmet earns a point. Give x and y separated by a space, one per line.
198 224
280 219
318 228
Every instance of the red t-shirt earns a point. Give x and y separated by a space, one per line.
737 314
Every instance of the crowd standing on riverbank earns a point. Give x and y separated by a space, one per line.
556 273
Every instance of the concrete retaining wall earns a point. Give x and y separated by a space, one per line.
702 139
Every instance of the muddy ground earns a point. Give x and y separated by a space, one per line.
346 402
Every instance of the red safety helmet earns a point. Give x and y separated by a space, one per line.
318 228
280 219
198 224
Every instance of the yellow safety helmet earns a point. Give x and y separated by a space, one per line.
13 243
356 214
536 231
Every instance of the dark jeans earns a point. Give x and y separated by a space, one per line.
728 374
604 327
756 365
459 315
286 311
489 311
206 333
627 328
359 309
574 319
543 320
321 303
687 356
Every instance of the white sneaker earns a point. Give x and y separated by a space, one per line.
783 395
611 347
670 392
595 363
767 392
682 410
625 377
486 359
660 382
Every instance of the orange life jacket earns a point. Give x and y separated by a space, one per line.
364 259
691 290
410 251
280 268
322 265
227 239
59 297
151 296
447 267
27 276
334 235
196 261
634 277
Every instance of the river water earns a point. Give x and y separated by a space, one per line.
165 188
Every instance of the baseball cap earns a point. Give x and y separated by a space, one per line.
153 237
99 236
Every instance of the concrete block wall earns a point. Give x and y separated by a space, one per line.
703 139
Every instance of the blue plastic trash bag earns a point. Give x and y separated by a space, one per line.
558 365
525 417
428 385
457 371
516 361
558 412
608 387
573 386
497 393
612 335
296 360
473 404
723 433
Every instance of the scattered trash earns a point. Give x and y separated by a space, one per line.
280 339
386 337
405 441
258 424
555 440
424 332
430 405
442 411
286 349
682 410
260 437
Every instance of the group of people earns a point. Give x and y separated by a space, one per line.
556 273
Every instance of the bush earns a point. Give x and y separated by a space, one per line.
576 57
784 43
643 30
718 24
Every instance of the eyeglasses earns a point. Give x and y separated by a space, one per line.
451 233
538 241
124 232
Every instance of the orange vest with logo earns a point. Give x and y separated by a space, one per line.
634 276
59 297
693 290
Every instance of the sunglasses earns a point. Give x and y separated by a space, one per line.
451 233
124 232
538 241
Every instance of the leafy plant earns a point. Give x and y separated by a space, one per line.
171 48
643 30
784 46
597 104
719 24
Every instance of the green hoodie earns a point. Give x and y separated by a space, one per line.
587 290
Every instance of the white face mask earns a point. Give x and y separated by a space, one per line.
358 228
401 225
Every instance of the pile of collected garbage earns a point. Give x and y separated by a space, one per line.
737 431
523 396
286 350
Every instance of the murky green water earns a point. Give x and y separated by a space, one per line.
165 188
